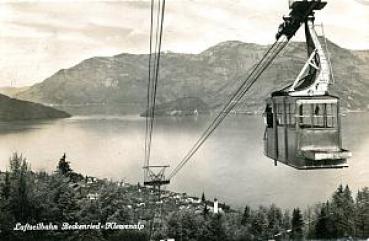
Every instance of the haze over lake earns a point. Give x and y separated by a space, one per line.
230 166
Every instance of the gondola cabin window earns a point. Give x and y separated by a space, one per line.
317 115
286 114
290 112
280 114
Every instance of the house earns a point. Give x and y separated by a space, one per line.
122 183
93 196
90 180
141 205
193 200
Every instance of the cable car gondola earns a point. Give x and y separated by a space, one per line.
304 132
303 126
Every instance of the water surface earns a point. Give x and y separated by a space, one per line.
230 166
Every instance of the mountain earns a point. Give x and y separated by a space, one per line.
118 84
13 110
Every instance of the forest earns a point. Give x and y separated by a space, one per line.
33 197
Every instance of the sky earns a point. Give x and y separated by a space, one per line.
37 38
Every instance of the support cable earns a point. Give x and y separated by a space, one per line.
147 147
253 76
154 64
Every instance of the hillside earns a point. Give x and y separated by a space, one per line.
12 110
118 84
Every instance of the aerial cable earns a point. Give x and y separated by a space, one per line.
154 64
156 69
253 76
159 33
229 106
148 92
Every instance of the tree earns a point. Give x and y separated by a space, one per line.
203 199
23 201
20 189
286 221
308 216
259 224
275 218
297 224
64 198
322 230
5 187
342 207
216 229
325 226
185 225
64 166
15 163
246 215
6 217
17 199
362 210
205 211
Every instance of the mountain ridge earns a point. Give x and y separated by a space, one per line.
118 83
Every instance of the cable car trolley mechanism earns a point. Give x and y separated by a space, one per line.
303 127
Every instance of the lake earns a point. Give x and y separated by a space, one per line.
229 166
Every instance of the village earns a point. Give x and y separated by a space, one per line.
140 198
